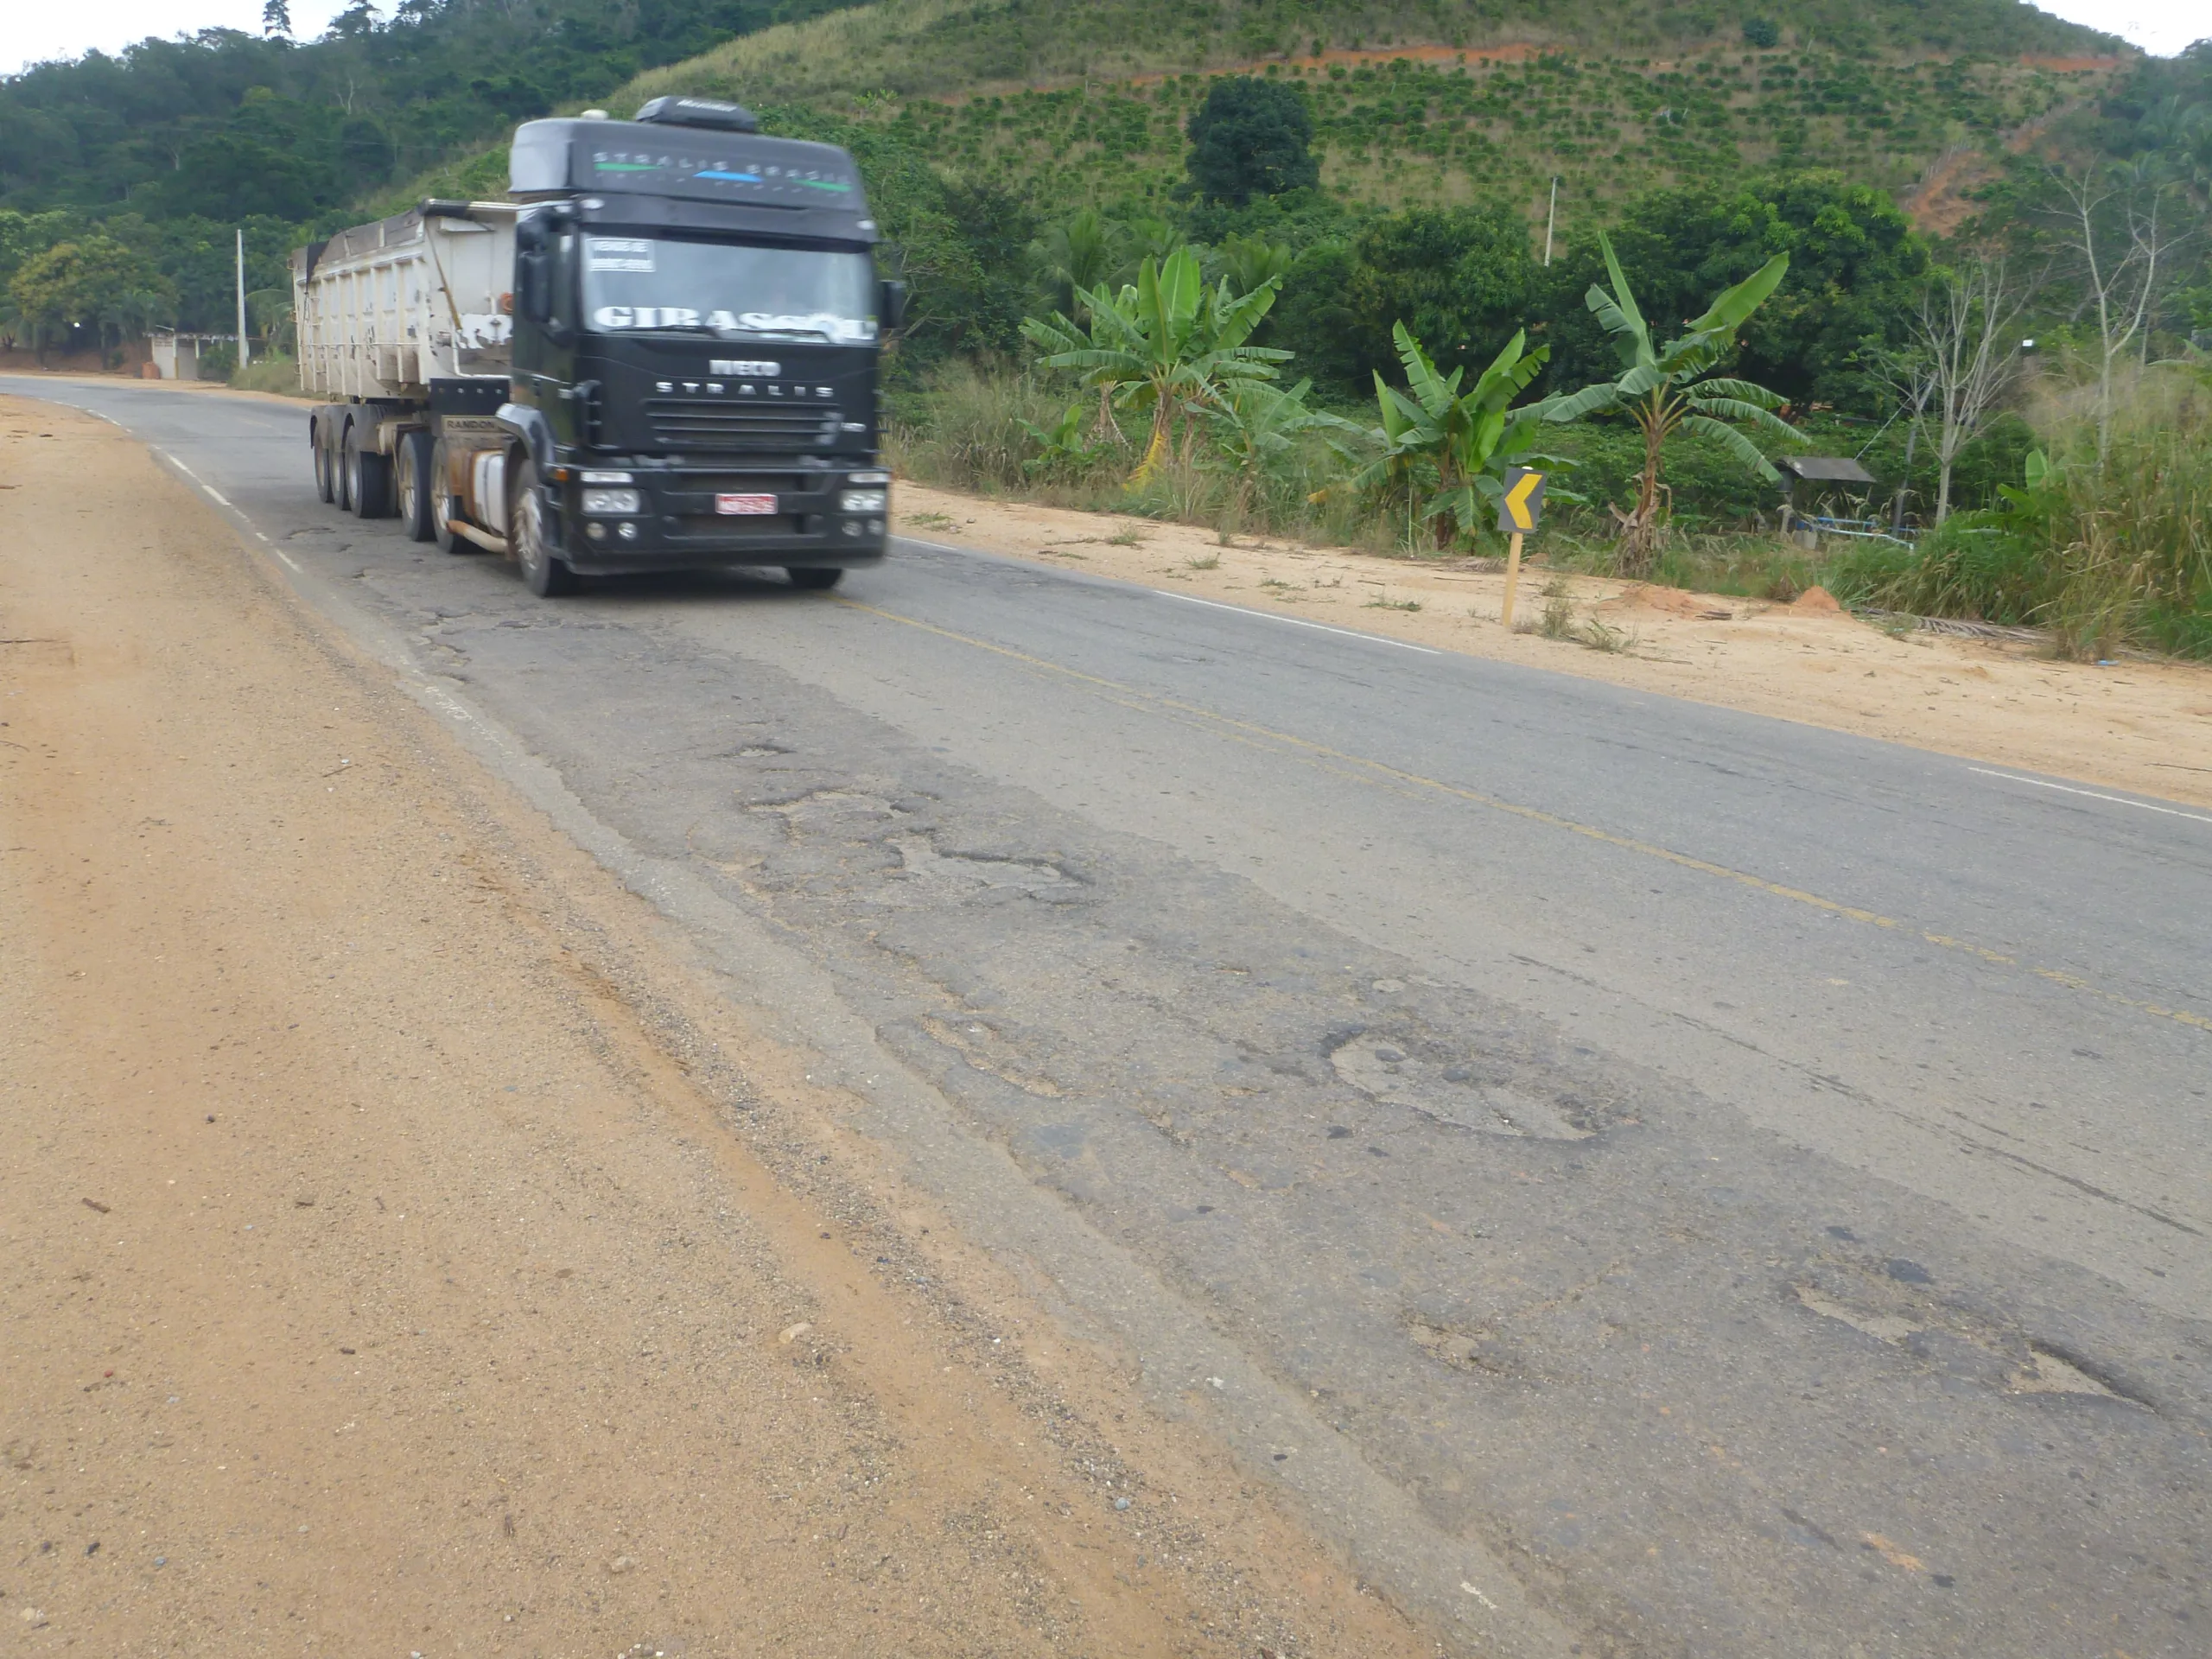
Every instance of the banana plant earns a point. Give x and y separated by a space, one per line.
1061 448
1253 423
1671 388
1464 440
1165 346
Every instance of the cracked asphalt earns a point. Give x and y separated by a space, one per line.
1710 1186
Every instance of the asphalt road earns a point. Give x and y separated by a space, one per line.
1650 1179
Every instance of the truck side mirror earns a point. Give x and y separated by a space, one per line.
893 306
534 283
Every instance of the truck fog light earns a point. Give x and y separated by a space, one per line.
627 532
850 528
869 478
875 526
614 501
863 501
606 478
597 533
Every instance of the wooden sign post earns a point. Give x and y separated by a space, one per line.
1518 511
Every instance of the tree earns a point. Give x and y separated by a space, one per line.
2112 223
1965 353
1165 346
1251 261
1457 278
1078 253
276 19
94 283
1466 439
1856 268
1671 388
1250 138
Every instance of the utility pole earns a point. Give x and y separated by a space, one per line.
1550 219
245 352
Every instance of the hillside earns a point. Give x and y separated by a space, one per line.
944 48
1429 103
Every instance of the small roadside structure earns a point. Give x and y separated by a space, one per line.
1812 477
176 357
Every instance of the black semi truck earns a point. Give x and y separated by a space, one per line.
661 353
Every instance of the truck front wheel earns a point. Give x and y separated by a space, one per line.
543 572
417 484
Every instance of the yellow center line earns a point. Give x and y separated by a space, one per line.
1360 764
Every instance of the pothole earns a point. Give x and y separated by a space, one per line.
972 871
1892 1328
2050 1372
1464 1350
1450 1094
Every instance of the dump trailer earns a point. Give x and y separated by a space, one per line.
660 353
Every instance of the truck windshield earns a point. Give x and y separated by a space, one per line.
635 284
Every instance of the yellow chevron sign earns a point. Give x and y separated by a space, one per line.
1523 504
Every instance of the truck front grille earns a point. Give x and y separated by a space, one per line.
678 423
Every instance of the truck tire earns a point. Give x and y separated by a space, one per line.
326 472
441 487
368 479
543 571
416 483
814 578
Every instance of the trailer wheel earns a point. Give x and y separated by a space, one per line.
367 481
326 475
545 572
417 484
441 488
814 578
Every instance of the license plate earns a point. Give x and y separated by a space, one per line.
745 504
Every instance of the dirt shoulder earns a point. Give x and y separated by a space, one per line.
2137 725
407 1252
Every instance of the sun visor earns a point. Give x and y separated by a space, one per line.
557 157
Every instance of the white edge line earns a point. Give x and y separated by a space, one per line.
217 497
2095 795
1296 621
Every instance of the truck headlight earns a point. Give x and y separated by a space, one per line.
864 500
869 478
613 502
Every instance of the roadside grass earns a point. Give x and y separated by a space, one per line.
2119 554
277 374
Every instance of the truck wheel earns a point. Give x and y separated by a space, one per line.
326 475
368 478
543 571
417 483
441 488
814 578
341 475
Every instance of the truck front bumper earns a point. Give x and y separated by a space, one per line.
689 518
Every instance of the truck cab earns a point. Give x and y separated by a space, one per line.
688 377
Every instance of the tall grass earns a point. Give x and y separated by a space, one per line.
963 430
2111 553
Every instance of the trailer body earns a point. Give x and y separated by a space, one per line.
661 353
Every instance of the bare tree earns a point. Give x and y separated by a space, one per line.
1965 353
2110 223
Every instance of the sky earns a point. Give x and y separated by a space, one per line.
39 31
